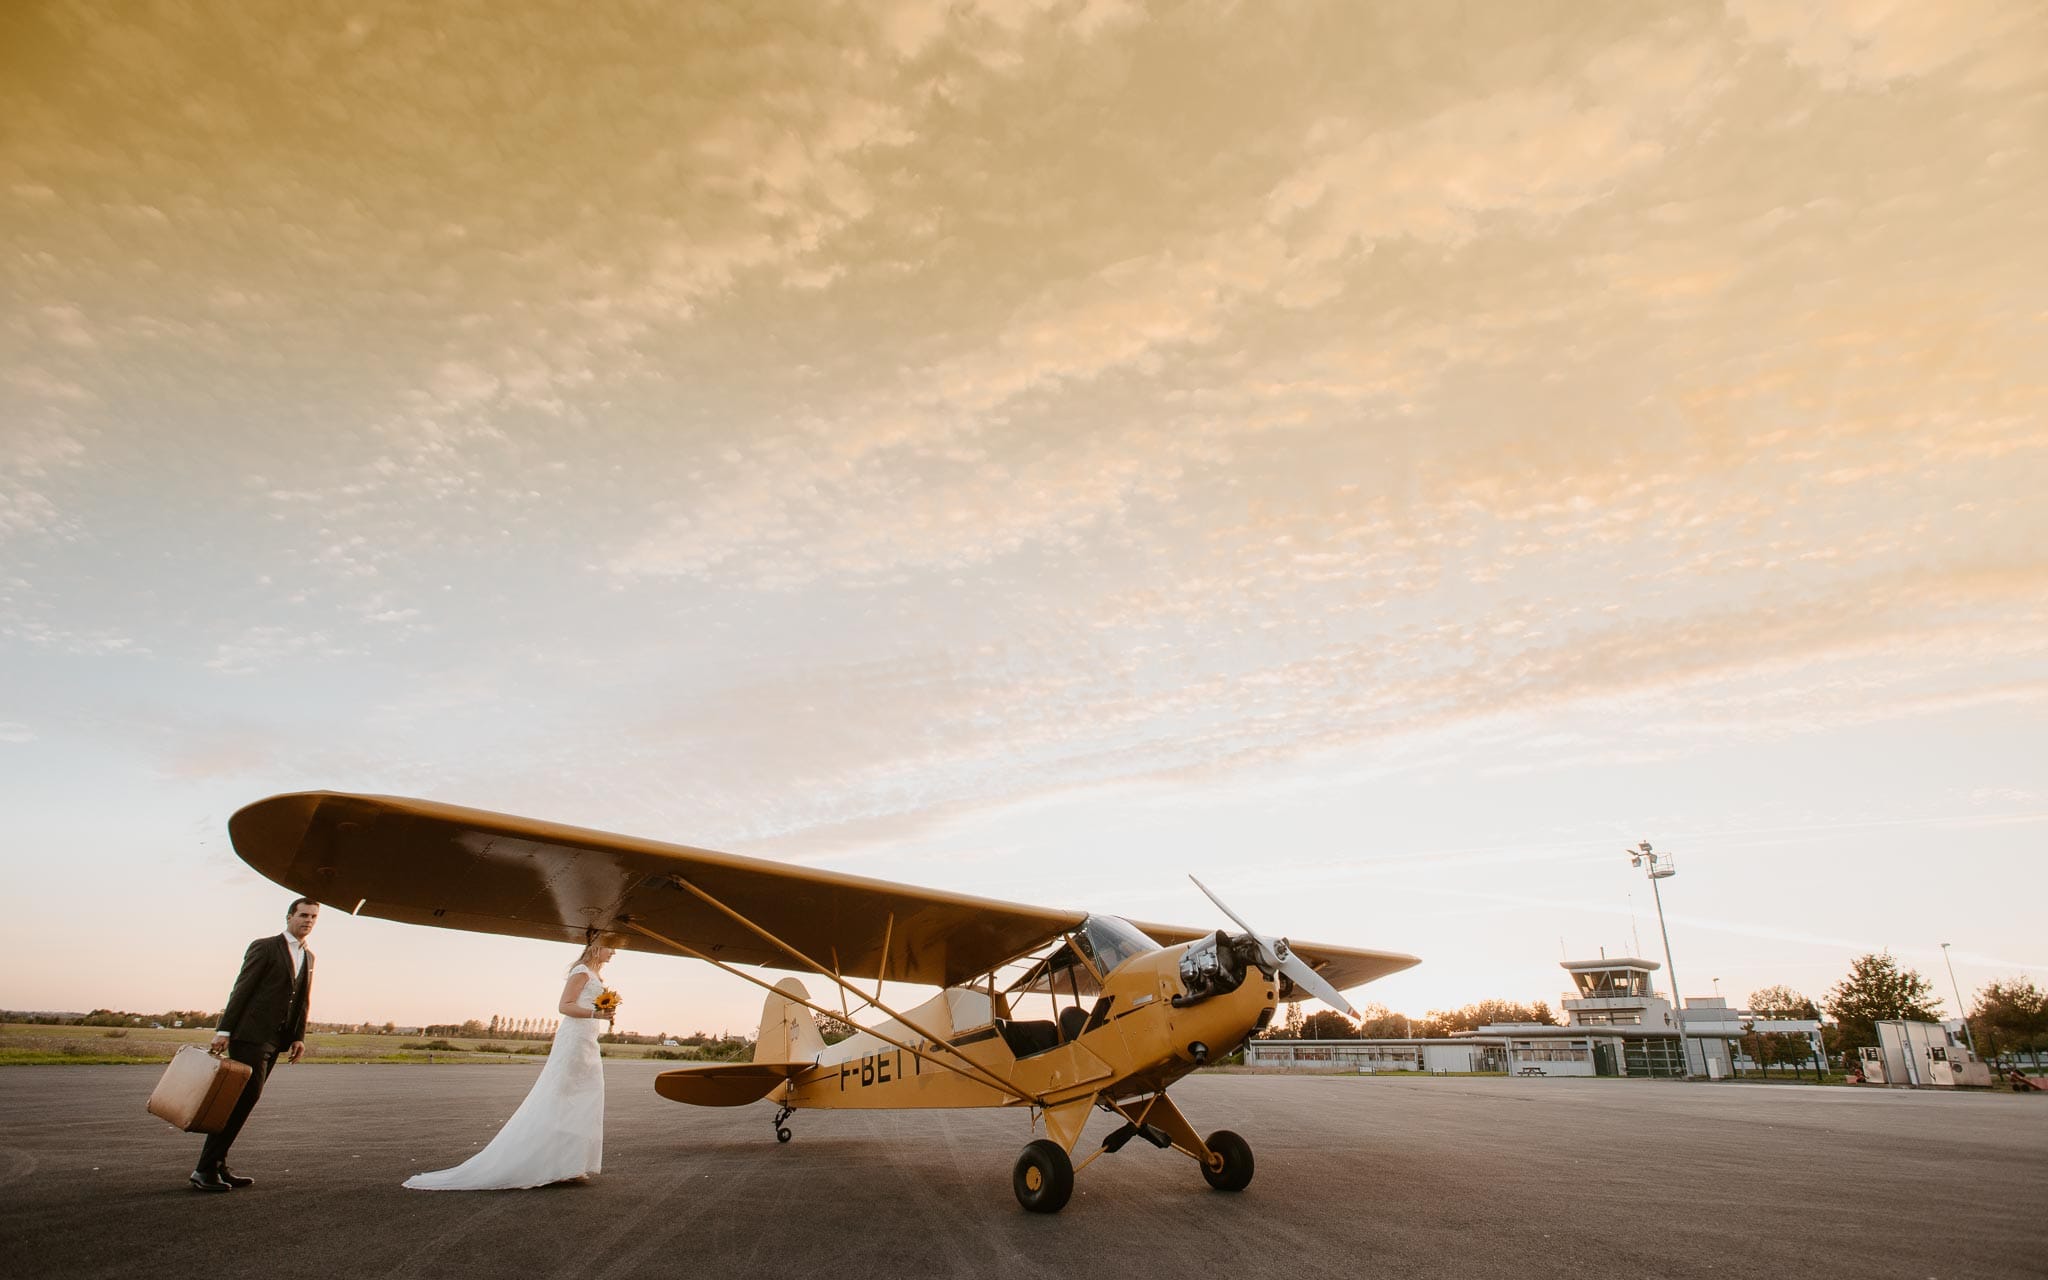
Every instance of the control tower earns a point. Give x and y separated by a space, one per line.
1619 994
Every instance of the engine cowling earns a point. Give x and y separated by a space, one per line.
1215 966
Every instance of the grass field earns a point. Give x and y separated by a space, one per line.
35 1044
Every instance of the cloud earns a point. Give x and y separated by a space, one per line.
866 752
1863 43
261 647
81 641
23 510
39 385
36 451
1182 421
785 512
850 484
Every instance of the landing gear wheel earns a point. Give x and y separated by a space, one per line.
782 1130
1233 1168
1043 1177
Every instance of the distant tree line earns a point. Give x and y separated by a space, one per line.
2009 1019
1377 1022
113 1018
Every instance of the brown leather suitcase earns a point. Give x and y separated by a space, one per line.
198 1090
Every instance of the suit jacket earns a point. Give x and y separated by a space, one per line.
267 1006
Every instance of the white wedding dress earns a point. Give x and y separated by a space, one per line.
558 1132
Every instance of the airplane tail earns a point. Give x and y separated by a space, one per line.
788 1045
789 1032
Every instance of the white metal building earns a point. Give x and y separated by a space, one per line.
1374 1055
1921 1054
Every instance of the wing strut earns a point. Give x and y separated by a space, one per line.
997 1081
882 969
774 941
986 1075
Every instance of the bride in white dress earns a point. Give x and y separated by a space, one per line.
558 1133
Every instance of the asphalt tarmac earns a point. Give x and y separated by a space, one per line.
1408 1177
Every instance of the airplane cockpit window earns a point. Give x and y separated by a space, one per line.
1101 943
1109 941
1061 973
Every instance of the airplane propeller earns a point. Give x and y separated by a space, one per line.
1276 956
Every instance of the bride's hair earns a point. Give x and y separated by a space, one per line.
589 950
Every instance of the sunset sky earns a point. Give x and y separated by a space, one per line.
1381 459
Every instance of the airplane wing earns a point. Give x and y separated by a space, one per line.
1341 967
419 862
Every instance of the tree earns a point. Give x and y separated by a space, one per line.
2011 1017
1441 1022
1878 990
833 1028
1780 1047
1327 1024
1377 1022
1782 1002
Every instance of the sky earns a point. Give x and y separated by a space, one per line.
1382 460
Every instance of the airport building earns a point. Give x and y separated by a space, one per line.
1615 1025
1459 1056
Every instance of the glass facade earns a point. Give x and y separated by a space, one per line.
1613 984
1654 1056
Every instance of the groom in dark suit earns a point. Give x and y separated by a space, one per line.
266 1013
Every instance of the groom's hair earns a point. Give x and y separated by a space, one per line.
297 903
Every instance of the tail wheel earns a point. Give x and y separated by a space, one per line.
782 1133
1231 1168
1043 1177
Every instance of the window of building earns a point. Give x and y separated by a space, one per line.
1609 984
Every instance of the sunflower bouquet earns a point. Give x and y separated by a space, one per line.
606 1005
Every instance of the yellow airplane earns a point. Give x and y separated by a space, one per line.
1131 1007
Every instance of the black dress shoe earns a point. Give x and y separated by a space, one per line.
208 1180
235 1180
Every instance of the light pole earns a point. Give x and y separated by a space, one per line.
1658 867
1961 1012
